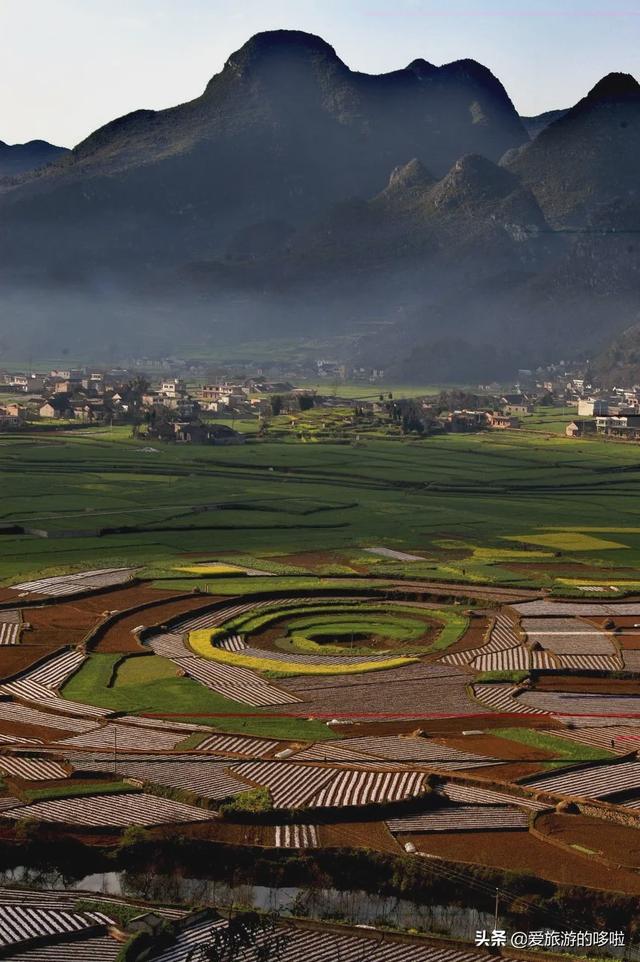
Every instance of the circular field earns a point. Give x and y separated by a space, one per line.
374 631
347 627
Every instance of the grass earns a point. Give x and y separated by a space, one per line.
142 669
515 677
253 800
563 750
69 790
200 642
182 697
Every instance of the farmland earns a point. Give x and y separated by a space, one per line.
261 646
458 502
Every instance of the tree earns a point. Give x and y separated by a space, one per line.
250 936
133 392
305 402
276 404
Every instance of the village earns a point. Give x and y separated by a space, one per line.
226 407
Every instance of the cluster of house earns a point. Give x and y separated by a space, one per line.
505 414
70 394
168 409
615 414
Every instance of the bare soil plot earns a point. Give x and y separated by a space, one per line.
370 835
595 686
67 622
619 843
522 852
631 659
629 642
474 637
119 636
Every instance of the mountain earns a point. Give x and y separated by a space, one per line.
588 158
285 130
21 158
535 125
408 216
619 363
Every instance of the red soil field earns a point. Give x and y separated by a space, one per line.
588 685
525 759
69 621
119 638
619 843
474 636
35 731
373 835
522 852
446 727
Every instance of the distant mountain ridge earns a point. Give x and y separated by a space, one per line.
535 125
297 195
22 158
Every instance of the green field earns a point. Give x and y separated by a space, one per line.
562 750
442 497
71 790
148 684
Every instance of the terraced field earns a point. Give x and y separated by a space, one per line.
418 733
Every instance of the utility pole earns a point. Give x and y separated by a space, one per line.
495 917
115 749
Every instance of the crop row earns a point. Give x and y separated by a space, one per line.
462 818
76 583
115 811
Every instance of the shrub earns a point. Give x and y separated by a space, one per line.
252 801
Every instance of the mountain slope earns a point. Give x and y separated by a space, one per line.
588 158
535 125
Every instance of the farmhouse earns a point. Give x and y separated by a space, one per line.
515 404
592 407
195 432
502 422
578 429
8 421
173 388
458 422
619 426
55 407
